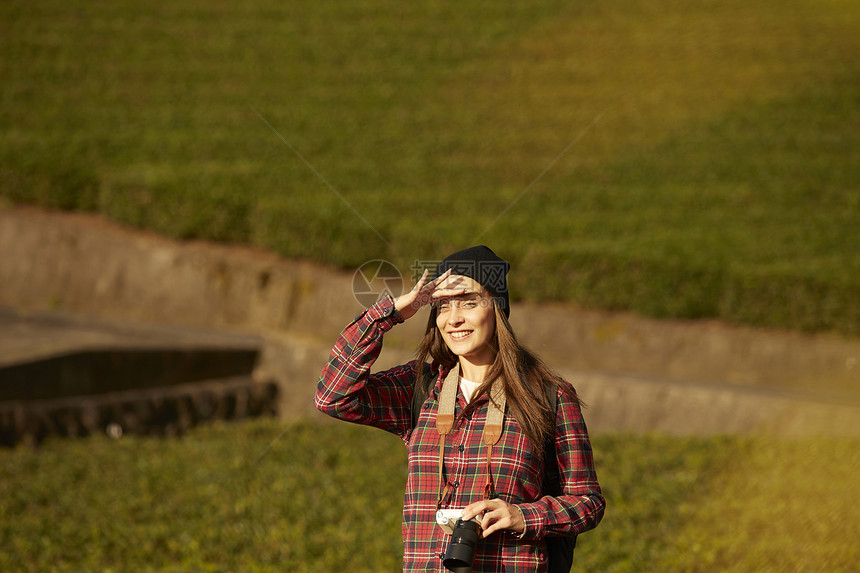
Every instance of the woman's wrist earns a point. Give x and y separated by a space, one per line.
520 534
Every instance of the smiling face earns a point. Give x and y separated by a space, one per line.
467 322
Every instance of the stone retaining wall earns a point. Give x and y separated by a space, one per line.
83 264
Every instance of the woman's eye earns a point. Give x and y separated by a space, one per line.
469 304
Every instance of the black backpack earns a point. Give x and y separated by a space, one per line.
559 549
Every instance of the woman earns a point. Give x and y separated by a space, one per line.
478 378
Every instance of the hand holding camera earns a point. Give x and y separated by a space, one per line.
470 524
496 515
464 539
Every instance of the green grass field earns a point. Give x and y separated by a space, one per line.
712 147
327 497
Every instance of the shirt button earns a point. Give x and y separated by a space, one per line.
461 448
456 483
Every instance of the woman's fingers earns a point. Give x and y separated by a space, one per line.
437 288
420 284
442 287
434 284
421 294
425 292
495 515
445 293
496 520
408 303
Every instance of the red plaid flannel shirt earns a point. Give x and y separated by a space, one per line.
348 391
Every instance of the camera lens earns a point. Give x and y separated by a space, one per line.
461 550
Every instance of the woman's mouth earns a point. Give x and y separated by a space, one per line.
460 334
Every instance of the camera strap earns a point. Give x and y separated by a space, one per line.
444 423
493 427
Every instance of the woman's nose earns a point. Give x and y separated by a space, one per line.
454 315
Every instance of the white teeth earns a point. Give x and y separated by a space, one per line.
459 335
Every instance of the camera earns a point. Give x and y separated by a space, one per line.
464 539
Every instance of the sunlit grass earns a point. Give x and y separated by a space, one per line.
713 172
786 506
327 497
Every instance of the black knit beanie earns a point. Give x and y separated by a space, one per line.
485 267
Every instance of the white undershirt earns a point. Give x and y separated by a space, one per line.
467 387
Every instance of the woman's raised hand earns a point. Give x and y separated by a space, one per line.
425 292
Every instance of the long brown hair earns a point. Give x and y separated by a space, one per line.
524 375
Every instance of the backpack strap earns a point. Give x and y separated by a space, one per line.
551 475
559 549
420 392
